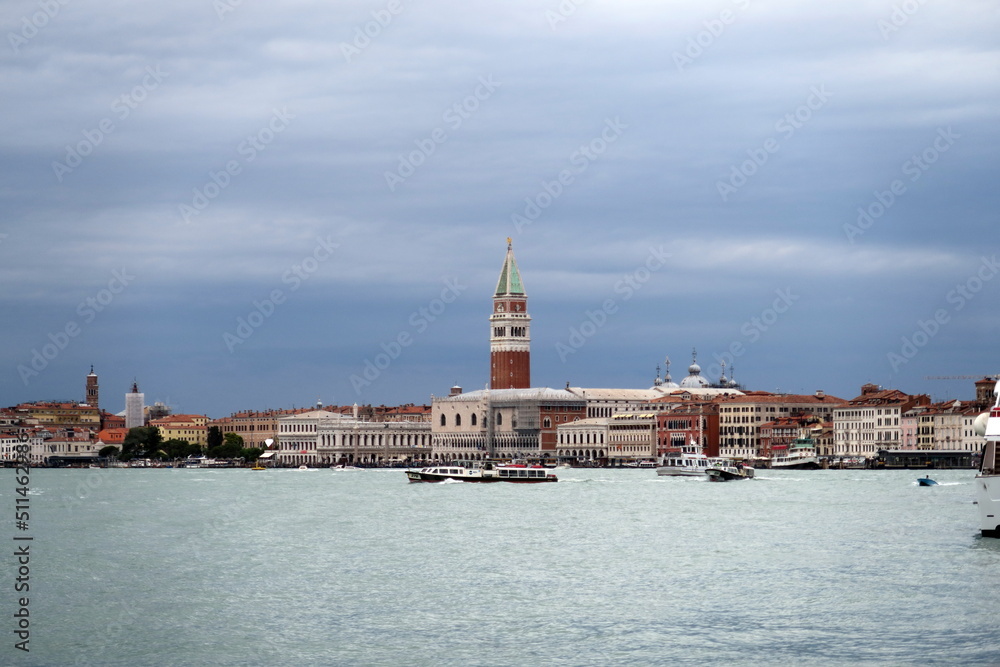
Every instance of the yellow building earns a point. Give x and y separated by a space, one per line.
77 415
192 428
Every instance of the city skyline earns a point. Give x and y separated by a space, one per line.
249 211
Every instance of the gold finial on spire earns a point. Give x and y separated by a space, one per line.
508 241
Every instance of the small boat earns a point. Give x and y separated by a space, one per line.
346 467
487 472
257 466
726 473
926 481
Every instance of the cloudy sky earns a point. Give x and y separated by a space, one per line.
249 205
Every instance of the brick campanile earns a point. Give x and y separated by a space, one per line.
93 391
510 330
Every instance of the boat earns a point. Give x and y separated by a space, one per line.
988 478
729 472
799 455
486 472
687 461
346 467
258 466
926 481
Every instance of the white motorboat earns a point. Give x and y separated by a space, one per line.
988 479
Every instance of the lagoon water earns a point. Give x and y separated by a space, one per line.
606 567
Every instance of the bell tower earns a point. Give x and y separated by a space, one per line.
510 330
93 391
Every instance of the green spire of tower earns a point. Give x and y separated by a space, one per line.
510 277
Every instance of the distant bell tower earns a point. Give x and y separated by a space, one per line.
510 330
93 394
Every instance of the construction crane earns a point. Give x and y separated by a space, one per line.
961 377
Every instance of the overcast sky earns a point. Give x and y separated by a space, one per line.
242 205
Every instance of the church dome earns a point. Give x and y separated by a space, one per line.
694 380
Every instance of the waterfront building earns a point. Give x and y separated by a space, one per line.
942 426
366 442
192 428
740 417
908 429
583 441
135 408
255 426
509 423
296 442
321 437
510 330
632 437
53 414
92 391
872 421
61 446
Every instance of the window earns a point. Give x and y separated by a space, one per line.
473 418
499 420
547 423
443 421
458 420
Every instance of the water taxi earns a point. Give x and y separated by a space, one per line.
728 472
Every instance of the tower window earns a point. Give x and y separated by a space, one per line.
499 332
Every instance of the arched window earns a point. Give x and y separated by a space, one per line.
499 419
473 418
547 423
443 421
458 420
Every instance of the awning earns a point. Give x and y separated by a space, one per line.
266 455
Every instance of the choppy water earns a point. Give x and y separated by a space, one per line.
236 567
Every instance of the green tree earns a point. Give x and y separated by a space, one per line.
180 449
108 452
141 441
231 448
214 437
251 454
